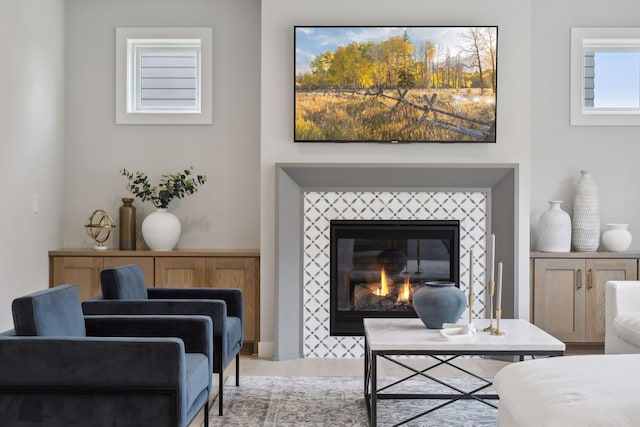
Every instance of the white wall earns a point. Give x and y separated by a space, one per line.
31 144
278 19
533 121
558 150
225 211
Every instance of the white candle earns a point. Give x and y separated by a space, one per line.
471 272
493 256
499 288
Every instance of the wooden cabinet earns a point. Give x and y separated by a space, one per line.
240 273
182 272
217 272
84 271
180 268
568 292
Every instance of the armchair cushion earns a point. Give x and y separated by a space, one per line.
126 282
198 376
234 336
48 313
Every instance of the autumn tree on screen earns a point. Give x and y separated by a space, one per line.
399 63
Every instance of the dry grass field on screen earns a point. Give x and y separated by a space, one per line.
344 116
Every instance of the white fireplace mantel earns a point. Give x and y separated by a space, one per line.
499 181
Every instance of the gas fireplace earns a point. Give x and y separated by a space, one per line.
377 265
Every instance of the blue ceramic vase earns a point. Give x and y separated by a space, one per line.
439 302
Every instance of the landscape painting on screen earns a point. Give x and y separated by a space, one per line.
395 84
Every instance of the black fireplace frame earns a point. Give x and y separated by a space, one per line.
349 323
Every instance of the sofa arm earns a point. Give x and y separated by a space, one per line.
195 332
91 362
215 309
625 294
232 296
621 296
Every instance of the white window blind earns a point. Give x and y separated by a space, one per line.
165 76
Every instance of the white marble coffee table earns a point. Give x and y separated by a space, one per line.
386 338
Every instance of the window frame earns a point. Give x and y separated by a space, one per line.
587 40
127 92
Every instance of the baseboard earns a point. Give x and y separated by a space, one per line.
266 349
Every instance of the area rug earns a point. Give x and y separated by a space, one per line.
339 401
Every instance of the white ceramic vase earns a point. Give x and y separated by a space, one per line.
616 238
585 235
161 230
554 229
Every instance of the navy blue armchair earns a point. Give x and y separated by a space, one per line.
124 291
60 368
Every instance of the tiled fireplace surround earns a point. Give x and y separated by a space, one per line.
482 196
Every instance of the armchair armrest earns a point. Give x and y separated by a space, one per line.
621 296
194 331
91 362
215 309
232 296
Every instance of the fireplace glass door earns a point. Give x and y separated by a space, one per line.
377 265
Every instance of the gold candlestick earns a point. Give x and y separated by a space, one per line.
497 330
490 328
470 308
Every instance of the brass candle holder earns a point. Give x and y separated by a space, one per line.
490 328
497 331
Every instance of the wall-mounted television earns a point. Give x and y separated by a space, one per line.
395 84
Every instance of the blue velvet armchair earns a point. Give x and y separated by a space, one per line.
124 291
60 368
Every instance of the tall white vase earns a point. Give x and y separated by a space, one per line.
161 230
554 229
586 215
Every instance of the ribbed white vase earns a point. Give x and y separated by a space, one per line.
554 229
586 215
161 230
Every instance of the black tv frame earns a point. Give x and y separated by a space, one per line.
425 108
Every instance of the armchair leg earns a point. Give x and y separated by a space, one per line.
238 369
220 392
206 413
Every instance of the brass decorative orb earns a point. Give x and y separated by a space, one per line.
99 227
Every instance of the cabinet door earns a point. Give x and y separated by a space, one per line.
145 262
599 271
239 273
180 272
84 272
559 298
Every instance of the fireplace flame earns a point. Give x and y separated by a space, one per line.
405 294
383 290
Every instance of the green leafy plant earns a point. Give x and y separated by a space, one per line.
172 186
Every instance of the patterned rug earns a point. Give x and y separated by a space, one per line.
339 401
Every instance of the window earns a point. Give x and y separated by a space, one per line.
163 76
605 76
